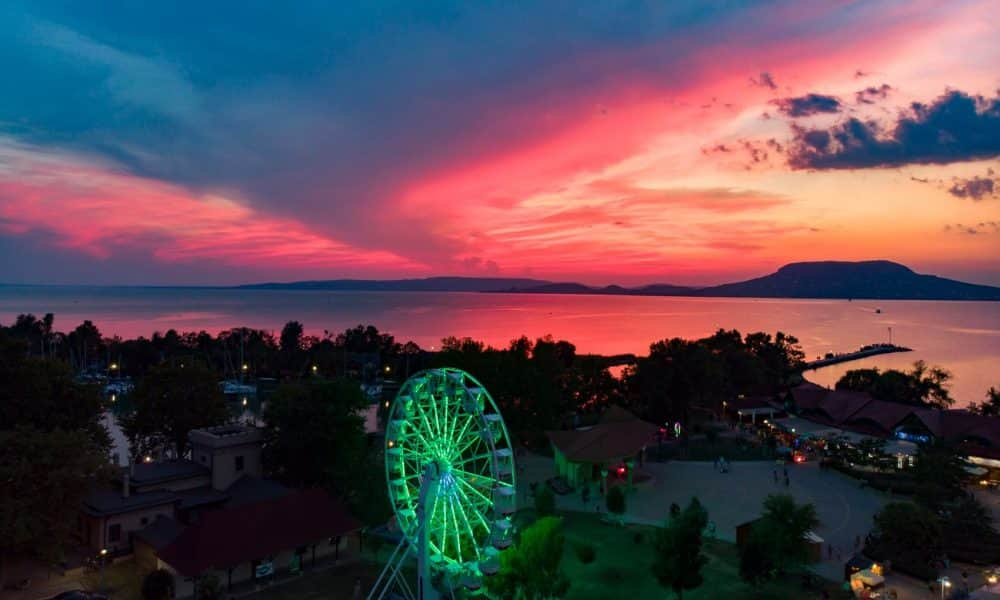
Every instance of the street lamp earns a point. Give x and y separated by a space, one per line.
945 584
100 569
315 368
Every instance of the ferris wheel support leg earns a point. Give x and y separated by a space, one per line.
428 493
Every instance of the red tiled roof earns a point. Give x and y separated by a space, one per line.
808 396
617 435
840 405
225 538
884 415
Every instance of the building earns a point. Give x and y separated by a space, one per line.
976 436
588 454
214 514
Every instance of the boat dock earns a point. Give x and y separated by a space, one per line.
863 352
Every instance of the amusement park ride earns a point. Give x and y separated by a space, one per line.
450 471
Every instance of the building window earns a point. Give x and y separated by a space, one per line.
115 533
239 463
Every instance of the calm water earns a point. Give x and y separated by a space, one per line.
963 337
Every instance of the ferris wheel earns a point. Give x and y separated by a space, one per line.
450 472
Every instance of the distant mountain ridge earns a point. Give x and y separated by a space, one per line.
876 280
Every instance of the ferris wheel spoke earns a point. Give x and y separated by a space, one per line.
467 460
478 513
455 530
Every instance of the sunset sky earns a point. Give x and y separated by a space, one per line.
676 142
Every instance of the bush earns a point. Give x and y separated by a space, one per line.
637 538
586 553
616 500
545 501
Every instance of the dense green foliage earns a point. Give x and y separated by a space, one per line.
920 386
530 569
678 556
679 373
777 542
53 449
315 436
170 401
909 535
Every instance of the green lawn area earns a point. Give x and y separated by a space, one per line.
622 567
621 570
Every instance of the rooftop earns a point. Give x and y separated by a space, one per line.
143 474
225 538
102 503
617 435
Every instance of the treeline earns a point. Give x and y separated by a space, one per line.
536 383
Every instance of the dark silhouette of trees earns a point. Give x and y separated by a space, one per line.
678 559
989 408
53 449
169 401
921 386
777 543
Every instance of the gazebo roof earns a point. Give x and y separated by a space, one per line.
617 435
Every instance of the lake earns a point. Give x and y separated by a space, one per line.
963 337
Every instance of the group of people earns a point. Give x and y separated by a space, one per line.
722 465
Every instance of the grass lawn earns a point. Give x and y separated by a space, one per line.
622 567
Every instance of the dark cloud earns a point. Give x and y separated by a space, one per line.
974 229
810 104
955 127
764 80
976 188
859 74
872 94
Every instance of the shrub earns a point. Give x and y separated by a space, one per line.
545 501
637 538
586 553
616 500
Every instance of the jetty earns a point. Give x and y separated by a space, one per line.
862 352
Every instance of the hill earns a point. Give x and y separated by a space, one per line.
877 279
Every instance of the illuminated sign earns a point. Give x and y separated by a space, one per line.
913 437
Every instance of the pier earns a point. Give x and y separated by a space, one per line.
863 352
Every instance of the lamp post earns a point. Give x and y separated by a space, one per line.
945 584
100 569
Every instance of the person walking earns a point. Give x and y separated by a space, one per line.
787 482
774 472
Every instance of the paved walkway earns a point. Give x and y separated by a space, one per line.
845 509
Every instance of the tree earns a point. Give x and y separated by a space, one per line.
314 436
170 401
530 569
545 501
907 534
209 588
158 585
678 559
921 386
989 408
939 474
782 529
45 475
616 501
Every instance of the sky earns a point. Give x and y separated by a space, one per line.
604 142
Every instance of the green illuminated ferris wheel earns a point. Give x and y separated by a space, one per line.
450 471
